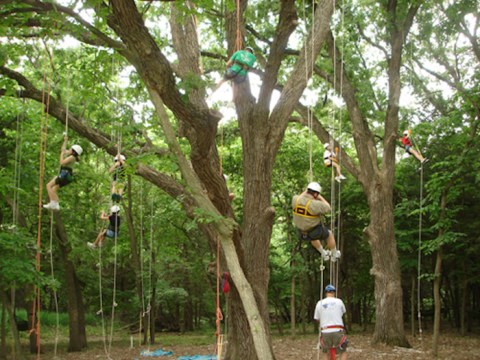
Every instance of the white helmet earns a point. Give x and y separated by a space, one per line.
315 186
121 157
115 209
78 149
326 145
405 133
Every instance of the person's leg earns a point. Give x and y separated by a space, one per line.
100 238
52 189
416 154
317 245
331 241
343 356
337 168
332 246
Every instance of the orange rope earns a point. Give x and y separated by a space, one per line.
42 153
239 42
219 315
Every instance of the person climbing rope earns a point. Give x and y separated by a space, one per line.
65 177
237 68
308 210
330 159
409 147
111 231
329 313
118 171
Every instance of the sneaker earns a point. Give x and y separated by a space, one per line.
335 255
342 177
55 206
338 178
91 245
47 206
425 161
326 255
52 206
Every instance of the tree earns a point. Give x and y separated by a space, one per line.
373 113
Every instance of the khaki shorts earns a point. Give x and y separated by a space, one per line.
333 340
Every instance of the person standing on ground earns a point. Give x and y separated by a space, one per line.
308 210
329 313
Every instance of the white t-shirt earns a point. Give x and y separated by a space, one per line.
329 312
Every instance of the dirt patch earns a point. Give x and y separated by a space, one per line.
452 346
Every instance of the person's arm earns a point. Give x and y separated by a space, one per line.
232 59
324 202
103 216
63 150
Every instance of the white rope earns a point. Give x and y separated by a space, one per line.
68 104
55 297
340 130
114 304
142 315
150 271
419 296
104 334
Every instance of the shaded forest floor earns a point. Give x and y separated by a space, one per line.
452 346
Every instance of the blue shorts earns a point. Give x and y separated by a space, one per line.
407 148
110 233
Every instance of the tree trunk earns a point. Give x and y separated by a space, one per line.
3 335
437 300
386 268
412 305
292 306
438 273
76 311
134 251
18 354
153 301
463 299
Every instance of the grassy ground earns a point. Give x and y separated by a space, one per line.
126 346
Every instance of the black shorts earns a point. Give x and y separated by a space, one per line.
64 178
319 232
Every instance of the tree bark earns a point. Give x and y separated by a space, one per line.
13 326
76 310
386 267
134 251
3 335
438 274
412 306
437 301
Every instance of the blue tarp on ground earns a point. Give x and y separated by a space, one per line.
198 357
158 352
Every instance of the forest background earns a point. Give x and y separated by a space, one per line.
138 77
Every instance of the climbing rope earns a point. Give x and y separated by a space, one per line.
100 311
46 87
218 312
143 313
150 276
55 295
419 296
238 40
309 109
